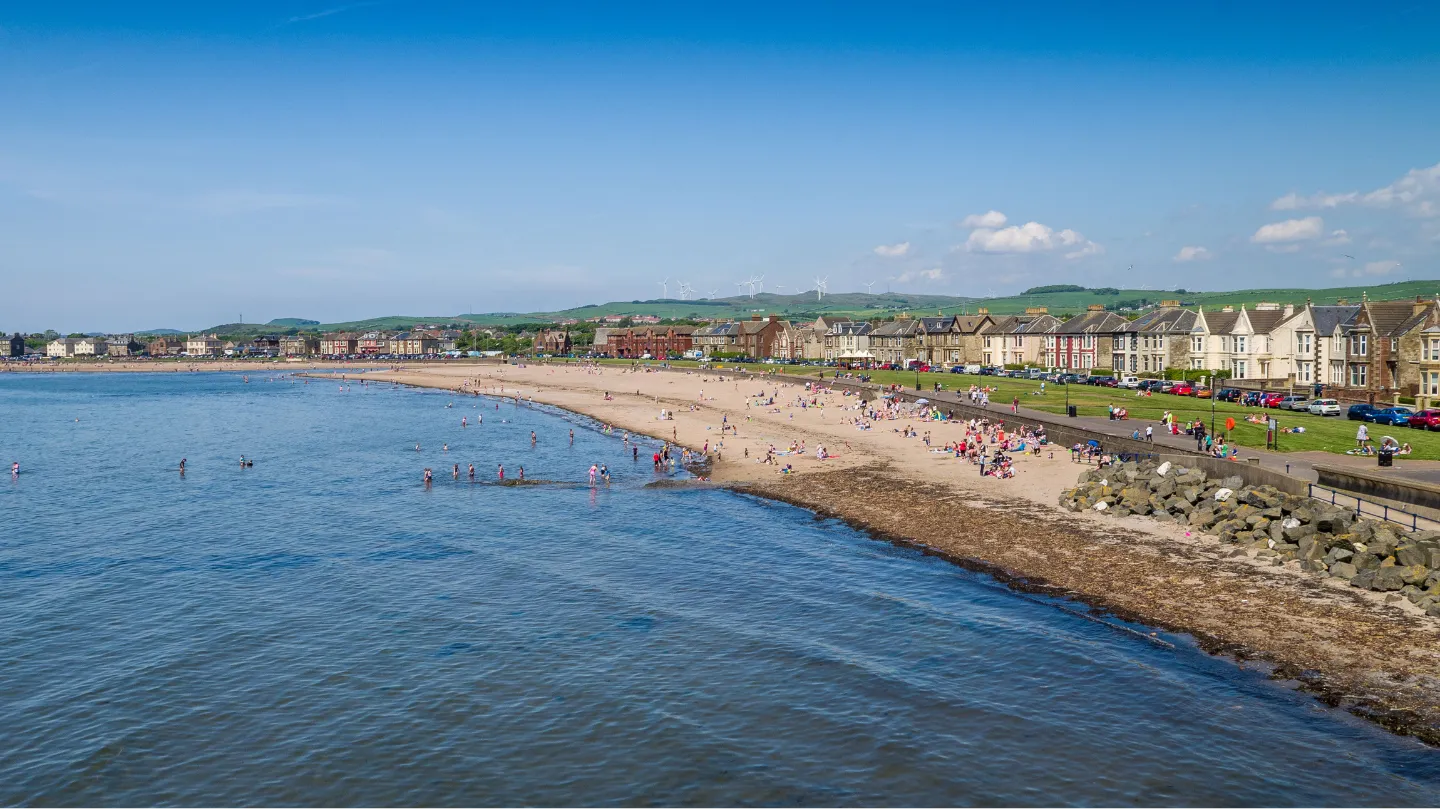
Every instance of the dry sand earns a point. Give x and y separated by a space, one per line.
1379 658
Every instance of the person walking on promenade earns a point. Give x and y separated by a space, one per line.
1149 434
1199 435
1362 437
1015 405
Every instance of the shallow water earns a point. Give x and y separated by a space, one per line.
321 628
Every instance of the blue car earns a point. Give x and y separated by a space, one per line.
1390 416
1356 412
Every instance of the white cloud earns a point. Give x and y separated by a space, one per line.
933 274
1291 230
989 219
1415 192
1032 237
1383 268
1289 248
1192 253
893 251
1337 237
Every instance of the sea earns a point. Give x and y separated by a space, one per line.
323 628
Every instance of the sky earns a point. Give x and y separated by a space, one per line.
179 165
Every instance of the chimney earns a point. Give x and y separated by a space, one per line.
754 317
1288 311
1266 306
982 311
1420 305
1037 310
1096 308
774 318
1227 309
1173 302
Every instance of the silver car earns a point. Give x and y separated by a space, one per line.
1325 407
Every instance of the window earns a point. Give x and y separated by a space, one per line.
1019 341
987 345
1394 345
1357 374
1432 349
1132 362
1302 343
1359 345
1134 342
1239 344
1239 369
1197 345
1431 383
1339 345
1302 372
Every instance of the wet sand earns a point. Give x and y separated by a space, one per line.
1379 658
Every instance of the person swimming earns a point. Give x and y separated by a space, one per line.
455 472
472 472
522 472
502 472
428 475
182 465
532 437
593 471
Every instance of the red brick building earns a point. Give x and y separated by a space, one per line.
656 341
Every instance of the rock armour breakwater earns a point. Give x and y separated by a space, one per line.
1264 523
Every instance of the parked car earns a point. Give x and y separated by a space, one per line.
1428 419
1288 403
1357 412
1325 407
1151 385
1183 389
1105 382
1202 392
1129 382
1168 386
1228 394
1390 416
1272 400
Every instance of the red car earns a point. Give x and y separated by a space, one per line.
1271 400
1183 389
1426 420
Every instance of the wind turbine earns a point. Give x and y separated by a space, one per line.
740 288
868 286
778 288
760 279
664 288
820 284
712 294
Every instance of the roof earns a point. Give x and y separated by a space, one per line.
1220 322
1091 323
1162 321
970 324
938 324
1331 317
905 328
1040 324
1264 321
856 328
1390 318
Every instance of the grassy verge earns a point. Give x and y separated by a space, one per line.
1331 434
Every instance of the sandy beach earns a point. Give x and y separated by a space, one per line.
1378 657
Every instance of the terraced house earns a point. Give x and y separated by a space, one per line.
1084 341
1385 347
849 342
1310 345
1155 341
1018 339
896 341
336 344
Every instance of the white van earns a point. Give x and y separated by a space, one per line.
1129 382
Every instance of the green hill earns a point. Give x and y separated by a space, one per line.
1065 299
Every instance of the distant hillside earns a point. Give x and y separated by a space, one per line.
1058 299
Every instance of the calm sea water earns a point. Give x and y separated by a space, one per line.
323 629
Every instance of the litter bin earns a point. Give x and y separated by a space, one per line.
1387 457
1070 411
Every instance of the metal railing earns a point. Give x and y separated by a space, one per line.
1385 512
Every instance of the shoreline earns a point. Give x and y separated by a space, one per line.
1348 648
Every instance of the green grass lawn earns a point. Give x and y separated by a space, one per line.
1333 434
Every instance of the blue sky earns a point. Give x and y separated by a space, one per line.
177 164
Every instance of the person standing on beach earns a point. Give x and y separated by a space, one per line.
502 472
593 471
472 472
572 436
